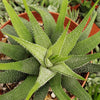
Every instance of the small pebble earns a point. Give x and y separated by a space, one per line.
4 89
6 36
53 95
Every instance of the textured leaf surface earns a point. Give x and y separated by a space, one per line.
48 21
29 66
42 92
15 52
44 76
10 30
72 38
60 21
73 86
47 60
55 84
11 76
86 32
85 46
88 68
20 28
78 60
65 70
36 50
58 59
27 24
57 47
20 92
39 35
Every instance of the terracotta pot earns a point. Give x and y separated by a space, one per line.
75 7
94 30
55 16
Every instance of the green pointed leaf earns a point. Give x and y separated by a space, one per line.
48 63
44 76
20 92
85 46
73 86
42 92
27 24
11 76
20 28
48 54
88 68
48 21
72 38
57 47
58 59
78 60
15 52
65 70
10 30
60 21
55 84
86 32
36 50
29 66
39 35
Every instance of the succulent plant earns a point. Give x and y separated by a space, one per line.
73 14
47 57
74 2
18 7
93 85
84 8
